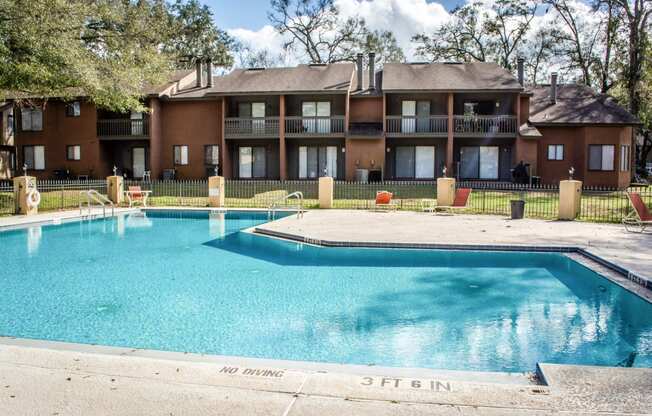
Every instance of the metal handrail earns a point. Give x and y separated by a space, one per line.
271 212
93 195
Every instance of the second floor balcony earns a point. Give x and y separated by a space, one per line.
431 126
247 127
123 128
326 126
485 126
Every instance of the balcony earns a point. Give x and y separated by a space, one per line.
431 126
123 128
251 127
314 126
485 126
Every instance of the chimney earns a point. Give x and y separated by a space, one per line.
520 61
209 73
359 68
198 66
553 88
372 71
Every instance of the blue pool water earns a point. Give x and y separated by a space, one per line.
192 282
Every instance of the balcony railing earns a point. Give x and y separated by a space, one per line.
123 128
251 127
417 126
473 125
314 126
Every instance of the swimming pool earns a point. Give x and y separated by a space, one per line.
190 281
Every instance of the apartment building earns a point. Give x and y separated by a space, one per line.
403 122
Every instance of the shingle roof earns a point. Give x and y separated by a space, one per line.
576 104
331 78
448 77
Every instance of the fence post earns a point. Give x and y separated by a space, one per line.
216 191
445 191
570 194
24 187
115 189
326 192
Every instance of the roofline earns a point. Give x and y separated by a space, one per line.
289 92
514 90
588 124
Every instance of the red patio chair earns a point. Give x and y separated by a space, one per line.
135 195
640 218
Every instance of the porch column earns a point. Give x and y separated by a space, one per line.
451 135
282 162
155 138
225 156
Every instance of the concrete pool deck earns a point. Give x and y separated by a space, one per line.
50 378
611 242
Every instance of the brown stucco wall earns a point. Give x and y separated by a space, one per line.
58 132
576 141
366 110
191 123
361 153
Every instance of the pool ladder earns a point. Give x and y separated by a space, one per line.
271 212
93 196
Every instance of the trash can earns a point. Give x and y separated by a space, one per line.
518 209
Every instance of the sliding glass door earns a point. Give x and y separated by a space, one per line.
479 162
316 161
415 162
252 162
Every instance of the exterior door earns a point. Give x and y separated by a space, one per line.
409 112
138 162
469 162
489 156
323 117
423 116
136 123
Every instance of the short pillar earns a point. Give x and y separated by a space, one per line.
115 189
445 192
570 194
23 188
216 191
326 192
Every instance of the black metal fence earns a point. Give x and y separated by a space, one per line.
597 204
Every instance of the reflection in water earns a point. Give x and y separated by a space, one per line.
217 224
138 220
34 235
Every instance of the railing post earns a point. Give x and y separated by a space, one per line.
115 189
326 192
216 191
570 194
23 186
445 191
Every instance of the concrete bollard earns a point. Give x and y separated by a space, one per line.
445 192
26 195
216 191
326 192
115 189
570 195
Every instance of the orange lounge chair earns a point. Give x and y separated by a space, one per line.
640 218
384 201
461 201
135 195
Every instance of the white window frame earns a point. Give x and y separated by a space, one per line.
556 152
607 157
31 119
625 158
180 154
215 155
76 152
36 150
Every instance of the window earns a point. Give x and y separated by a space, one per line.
471 109
555 152
316 161
479 162
34 157
73 109
73 152
181 155
601 157
316 116
625 158
415 162
31 119
252 162
212 155
408 119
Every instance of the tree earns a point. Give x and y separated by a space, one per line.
106 50
195 35
480 32
540 53
246 56
317 33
